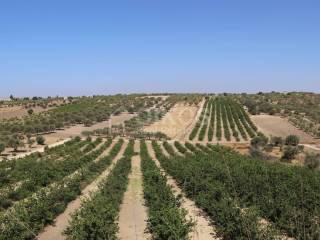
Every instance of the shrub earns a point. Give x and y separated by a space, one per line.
40 140
259 141
312 160
2 147
292 140
30 111
289 153
277 141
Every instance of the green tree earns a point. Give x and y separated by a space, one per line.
30 111
15 143
289 153
40 140
277 141
312 160
292 140
2 147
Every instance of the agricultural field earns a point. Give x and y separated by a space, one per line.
158 166
223 120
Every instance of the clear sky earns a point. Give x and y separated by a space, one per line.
76 47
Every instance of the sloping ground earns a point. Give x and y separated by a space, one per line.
61 136
277 126
78 129
18 111
176 122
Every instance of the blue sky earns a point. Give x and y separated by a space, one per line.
76 47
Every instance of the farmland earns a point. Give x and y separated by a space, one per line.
158 166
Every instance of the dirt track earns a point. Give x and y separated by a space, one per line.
133 214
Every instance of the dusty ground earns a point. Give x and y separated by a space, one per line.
133 214
60 136
54 232
277 126
78 129
176 122
18 111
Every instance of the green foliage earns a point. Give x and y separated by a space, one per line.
30 111
259 141
2 147
180 148
277 141
40 140
224 182
169 148
196 177
292 140
44 205
196 128
166 220
312 160
96 219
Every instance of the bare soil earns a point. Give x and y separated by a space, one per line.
133 214
176 122
18 111
277 126
76 130
60 136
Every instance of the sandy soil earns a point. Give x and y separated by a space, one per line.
38 149
78 129
176 122
203 229
277 126
54 232
18 111
133 214
60 136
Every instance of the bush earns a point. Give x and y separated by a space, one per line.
312 160
40 140
30 111
259 141
289 153
277 141
2 147
292 140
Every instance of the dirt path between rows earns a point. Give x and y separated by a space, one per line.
55 232
203 229
133 214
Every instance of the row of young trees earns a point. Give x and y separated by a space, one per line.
86 110
223 116
22 177
166 218
205 121
237 191
96 219
26 218
196 128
